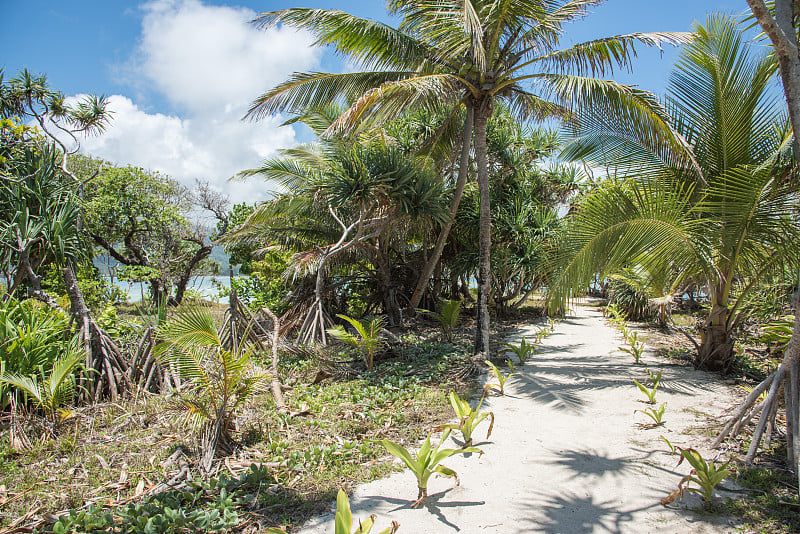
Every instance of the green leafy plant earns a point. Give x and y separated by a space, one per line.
448 318
656 414
541 333
672 448
369 338
522 351
220 380
343 520
650 393
427 462
778 331
498 374
636 348
51 389
468 417
615 315
31 340
705 474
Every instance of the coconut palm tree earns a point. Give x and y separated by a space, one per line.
718 212
454 54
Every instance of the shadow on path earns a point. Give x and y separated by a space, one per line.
434 505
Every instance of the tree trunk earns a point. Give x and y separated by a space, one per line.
461 180
781 31
202 253
485 242
390 306
716 348
106 372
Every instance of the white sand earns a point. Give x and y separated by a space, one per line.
567 454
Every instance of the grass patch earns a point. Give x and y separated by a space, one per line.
106 464
773 507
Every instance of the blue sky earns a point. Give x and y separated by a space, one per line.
181 72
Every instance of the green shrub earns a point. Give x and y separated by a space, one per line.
369 338
448 317
219 380
32 338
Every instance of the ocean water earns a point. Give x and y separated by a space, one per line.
206 286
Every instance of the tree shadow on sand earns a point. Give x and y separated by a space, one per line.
590 462
435 505
561 381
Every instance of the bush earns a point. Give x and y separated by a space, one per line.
32 338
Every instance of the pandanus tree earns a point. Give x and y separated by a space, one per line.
42 223
780 22
348 202
462 55
716 210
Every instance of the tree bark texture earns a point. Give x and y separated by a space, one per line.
485 242
716 348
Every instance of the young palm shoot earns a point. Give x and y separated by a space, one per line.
650 393
705 474
636 348
51 391
219 380
522 351
448 318
427 462
501 379
343 520
541 333
656 414
369 338
468 417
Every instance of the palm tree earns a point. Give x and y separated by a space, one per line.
451 54
717 212
351 201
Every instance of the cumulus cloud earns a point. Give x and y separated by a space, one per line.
209 58
189 149
210 63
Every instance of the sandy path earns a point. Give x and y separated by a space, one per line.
567 454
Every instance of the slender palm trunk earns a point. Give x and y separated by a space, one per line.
484 264
461 180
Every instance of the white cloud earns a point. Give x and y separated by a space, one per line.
209 57
189 149
211 63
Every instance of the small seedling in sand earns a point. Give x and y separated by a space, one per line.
636 348
615 315
672 448
522 351
427 462
343 520
650 393
468 418
656 414
541 333
498 374
705 474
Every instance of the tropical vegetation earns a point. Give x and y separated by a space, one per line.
470 176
